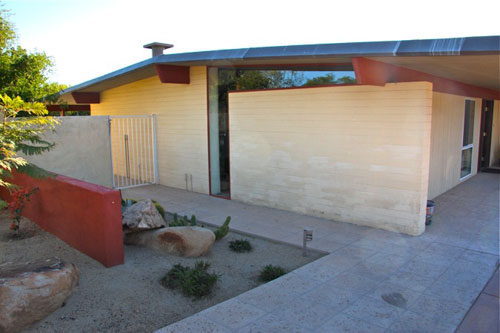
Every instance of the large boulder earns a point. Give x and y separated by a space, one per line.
30 292
180 241
142 215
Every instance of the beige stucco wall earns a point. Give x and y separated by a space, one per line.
446 141
495 138
181 111
82 150
356 154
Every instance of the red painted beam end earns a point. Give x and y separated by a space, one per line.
173 74
378 73
86 97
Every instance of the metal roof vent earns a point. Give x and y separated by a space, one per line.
158 48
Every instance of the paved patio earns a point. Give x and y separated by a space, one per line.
432 279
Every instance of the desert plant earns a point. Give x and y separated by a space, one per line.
172 279
193 281
159 208
271 272
240 245
17 205
223 229
183 221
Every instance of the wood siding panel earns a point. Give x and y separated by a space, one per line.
356 154
446 141
181 111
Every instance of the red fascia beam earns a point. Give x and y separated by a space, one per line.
372 72
86 97
71 107
173 74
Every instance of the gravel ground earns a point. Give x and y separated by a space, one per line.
129 298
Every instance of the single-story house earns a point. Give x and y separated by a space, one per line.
363 133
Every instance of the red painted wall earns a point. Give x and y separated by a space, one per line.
86 216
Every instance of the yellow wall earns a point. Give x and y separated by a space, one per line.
495 138
446 141
356 154
182 123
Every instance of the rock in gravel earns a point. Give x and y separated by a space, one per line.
142 215
180 241
30 292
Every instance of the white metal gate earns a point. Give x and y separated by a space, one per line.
133 149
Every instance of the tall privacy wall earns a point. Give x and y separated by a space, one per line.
82 150
357 154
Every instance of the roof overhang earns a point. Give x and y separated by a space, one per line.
472 60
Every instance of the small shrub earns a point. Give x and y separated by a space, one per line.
240 245
223 229
17 205
193 281
159 208
172 279
271 272
183 221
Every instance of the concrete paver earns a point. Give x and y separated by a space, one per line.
438 274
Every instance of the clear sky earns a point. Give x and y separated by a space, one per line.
89 38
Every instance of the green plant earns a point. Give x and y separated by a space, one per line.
271 272
22 134
159 208
183 221
240 245
223 229
172 279
193 281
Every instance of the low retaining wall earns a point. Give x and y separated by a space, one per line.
84 215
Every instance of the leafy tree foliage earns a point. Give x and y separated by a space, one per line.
22 134
23 73
23 118
328 79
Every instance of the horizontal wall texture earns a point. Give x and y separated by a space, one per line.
86 216
181 111
357 154
82 150
448 113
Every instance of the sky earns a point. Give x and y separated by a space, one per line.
89 38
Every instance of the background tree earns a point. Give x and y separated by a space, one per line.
23 73
23 118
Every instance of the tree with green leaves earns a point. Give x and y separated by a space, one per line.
23 73
23 117
328 79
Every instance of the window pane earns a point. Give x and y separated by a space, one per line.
466 162
249 79
469 122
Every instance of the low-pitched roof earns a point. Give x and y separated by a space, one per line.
478 63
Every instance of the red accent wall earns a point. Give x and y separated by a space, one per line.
86 216
379 73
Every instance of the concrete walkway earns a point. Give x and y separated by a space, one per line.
372 280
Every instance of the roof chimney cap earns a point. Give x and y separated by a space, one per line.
158 48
